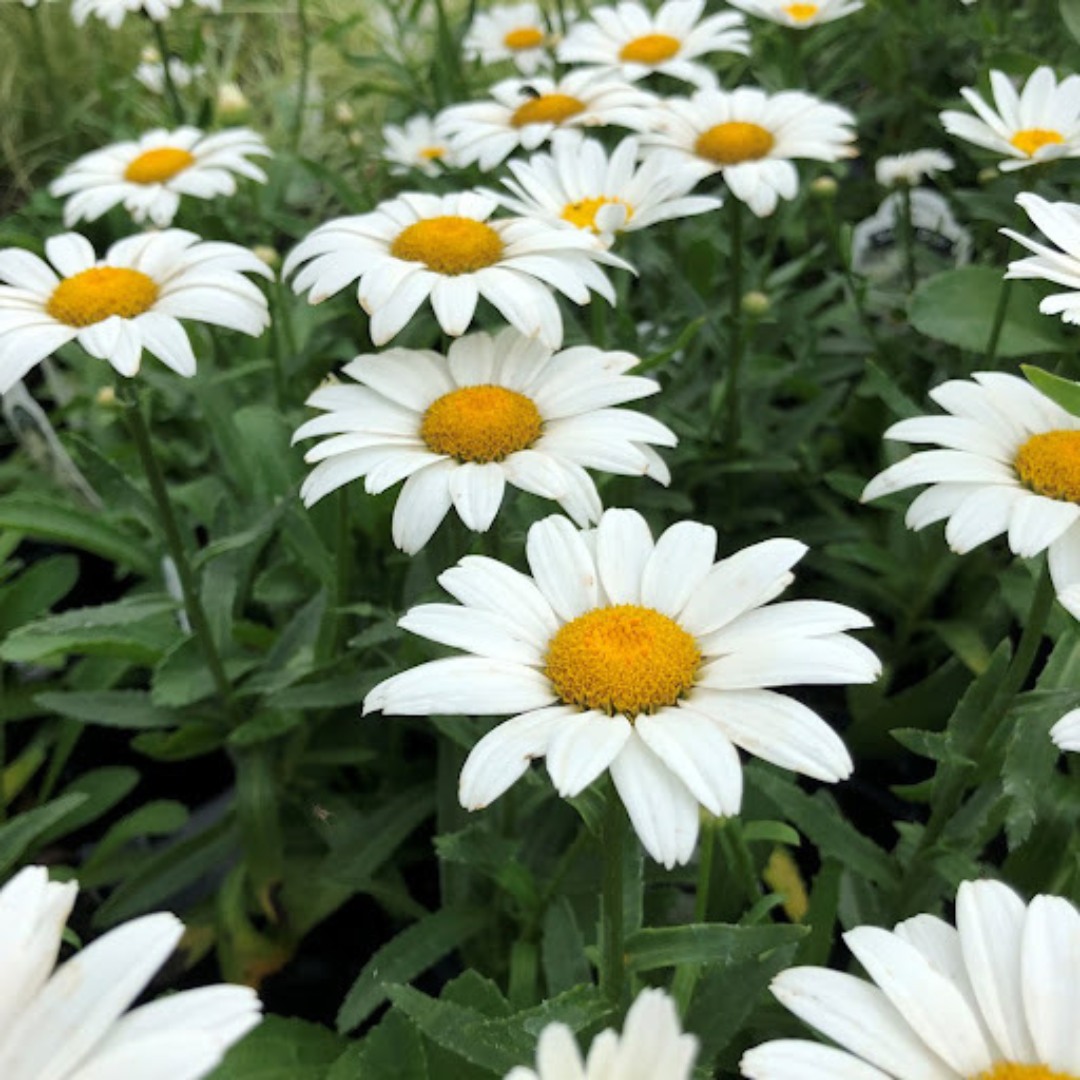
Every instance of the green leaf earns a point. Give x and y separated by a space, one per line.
109 708
563 949
704 943
35 591
1070 15
393 1050
159 818
103 789
1064 391
17 836
280 1049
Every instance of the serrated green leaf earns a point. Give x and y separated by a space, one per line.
109 708
704 943
393 1050
281 1049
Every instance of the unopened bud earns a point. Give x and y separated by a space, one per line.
824 187
756 304
269 255
106 397
150 55
987 175
343 113
356 138
231 102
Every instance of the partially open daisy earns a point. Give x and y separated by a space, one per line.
992 999
444 247
73 1023
1059 222
524 113
638 656
509 32
419 143
750 137
799 14
149 176
911 168
131 299
629 40
1039 124
151 73
579 185
494 411
652 1046
112 12
1009 463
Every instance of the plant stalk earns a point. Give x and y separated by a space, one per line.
612 917
171 93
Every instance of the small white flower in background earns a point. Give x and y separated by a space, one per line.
1060 223
579 185
148 177
510 32
799 14
524 113
1009 462
151 74
993 998
636 656
73 1023
1039 124
750 137
1066 732
417 247
131 299
419 143
629 40
112 12
458 428
912 168
652 1046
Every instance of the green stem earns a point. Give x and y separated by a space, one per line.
687 975
735 339
907 237
849 278
998 324
612 932
305 69
37 21
171 92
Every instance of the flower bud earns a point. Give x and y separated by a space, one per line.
824 187
231 102
756 304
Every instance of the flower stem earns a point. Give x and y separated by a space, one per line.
998 324
907 237
305 69
171 92
687 975
735 339
612 928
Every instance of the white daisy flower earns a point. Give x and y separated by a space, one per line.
73 1023
629 40
151 74
509 32
1066 732
1040 124
750 137
526 112
419 143
131 299
1060 222
912 168
443 247
993 998
1009 463
800 15
460 427
579 185
652 1046
112 12
636 656
149 176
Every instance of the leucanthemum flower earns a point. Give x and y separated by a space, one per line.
750 137
1059 222
112 12
419 143
524 113
509 32
1039 124
911 168
1009 462
992 999
131 299
1066 732
799 14
73 1023
151 74
652 1047
444 247
636 656
149 176
629 40
579 185
458 428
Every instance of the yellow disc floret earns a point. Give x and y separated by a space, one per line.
733 142
525 37
157 166
1030 140
432 153
801 12
583 213
623 659
547 109
1010 1070
449 245
95 294
650 49
481 424
1049 464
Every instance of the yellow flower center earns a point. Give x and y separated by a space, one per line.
1010 1070
525 37
583 213
650 49
1049 464
801 12
449 245
97 293
547 109
432 153
623 659
1031 139
733 142
157 166
481 424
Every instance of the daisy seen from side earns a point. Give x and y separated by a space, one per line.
1060 223
113 12
130 300
151 73
800 14
419 143
639 657
510 32
911 168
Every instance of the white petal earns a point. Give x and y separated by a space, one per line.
562 566
583 748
